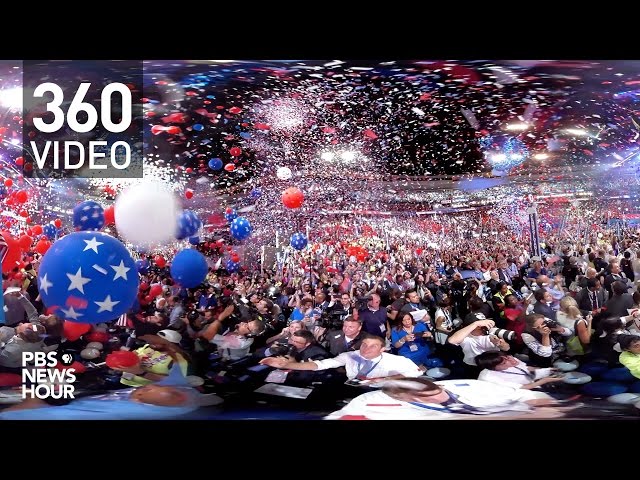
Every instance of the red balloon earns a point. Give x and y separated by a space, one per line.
42 246
173 130
235 258
110 215
25 242
235 110
102 337
121 359
21 196
14 254
155 290
292 197
73 331
37 229
10 380
159 261
188 193
230 167
58 223
8 182
235 151
143 286
77 366
419 251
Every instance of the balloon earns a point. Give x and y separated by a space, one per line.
58 223
43 246
187 225
160 261
121 359
255 193
198 127
298 241
96 345
101 337
89 276
145 215
77 366
194 240
88 215
284 173
142 266
21 196
72 331
155 290
25 242
188 193
240 228
50 231
90 353
8 182
13 255
292 197
232 266
230 167
37 229
215 164
10 380
189 268
235 151
110 215
230 215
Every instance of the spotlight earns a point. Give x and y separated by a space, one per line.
348 156
11 98
519 127
541 156
326 156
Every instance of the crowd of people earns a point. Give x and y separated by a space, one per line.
384 323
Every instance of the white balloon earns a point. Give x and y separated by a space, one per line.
438 372
284 173
195 381
96 345
624 398
90 353
146 215
566 366
576 378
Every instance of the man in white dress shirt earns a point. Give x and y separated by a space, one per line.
370 364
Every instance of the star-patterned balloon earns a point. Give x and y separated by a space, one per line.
230 215
88 215
88 277
50 231
298 241
188 224
232 266
241 228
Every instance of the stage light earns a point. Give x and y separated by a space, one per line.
11 98
348 156
326 156
541 156
519 127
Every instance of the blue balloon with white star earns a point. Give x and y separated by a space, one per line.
241 228
255 193
142 266
215 164
298 241
50 231
230 216
194 240
188 224
232 266
88 277
88 215
189 268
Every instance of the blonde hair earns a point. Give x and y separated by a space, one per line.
569 306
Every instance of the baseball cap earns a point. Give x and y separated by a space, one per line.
170 335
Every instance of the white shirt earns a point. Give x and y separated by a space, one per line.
383 366
473 346
495 399
513 377
233 347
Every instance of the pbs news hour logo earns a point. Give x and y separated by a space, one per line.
47 375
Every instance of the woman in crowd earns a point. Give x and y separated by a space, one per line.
630 356
412 340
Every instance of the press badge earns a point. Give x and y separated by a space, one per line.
277 376
413 347
383 328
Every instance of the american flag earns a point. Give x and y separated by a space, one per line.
122 321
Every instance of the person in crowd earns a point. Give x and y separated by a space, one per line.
570 316
544 302
620 302
374 318
504 369
515 312
370 363
27 337
423 399
348 339
474 339
545 339
630 356
412 340
235 344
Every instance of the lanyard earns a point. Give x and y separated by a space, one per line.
520 372
362 374
594 300
466 409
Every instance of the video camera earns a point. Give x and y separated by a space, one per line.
507 335
332 319
362 302
550 323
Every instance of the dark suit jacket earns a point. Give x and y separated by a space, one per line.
584 304
337 344
544 309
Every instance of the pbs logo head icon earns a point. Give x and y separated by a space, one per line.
65 358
